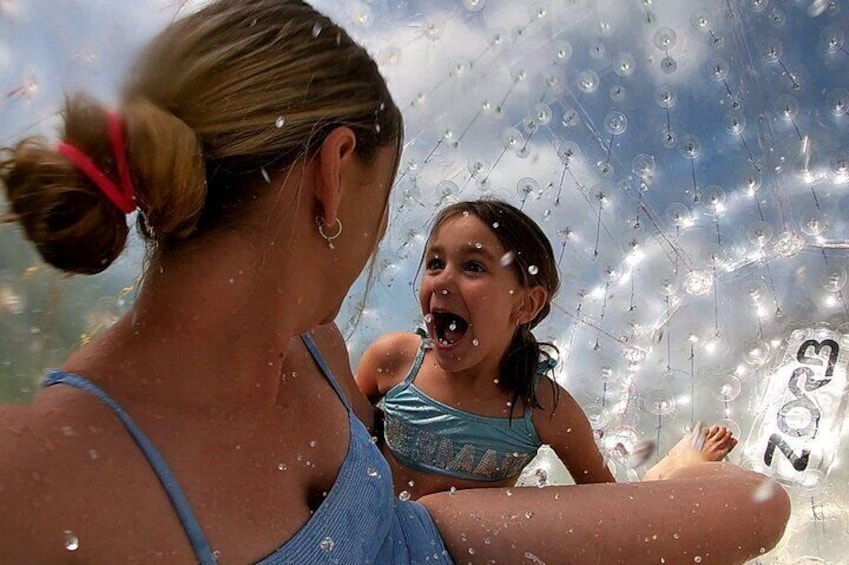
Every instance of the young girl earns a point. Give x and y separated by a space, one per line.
470 404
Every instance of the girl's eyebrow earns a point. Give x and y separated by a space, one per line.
471 249
483 251
433 249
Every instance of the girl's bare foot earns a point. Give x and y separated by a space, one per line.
718 443
699 446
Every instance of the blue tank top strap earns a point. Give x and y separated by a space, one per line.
543 367
417 361
322 364
178 499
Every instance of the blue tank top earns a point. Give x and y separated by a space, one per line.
430 436
360 521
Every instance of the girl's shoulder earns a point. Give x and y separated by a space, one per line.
388 359
551 396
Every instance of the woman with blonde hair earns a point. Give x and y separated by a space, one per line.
257 144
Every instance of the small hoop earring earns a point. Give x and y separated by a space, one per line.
319 221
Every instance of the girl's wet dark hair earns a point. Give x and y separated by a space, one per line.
534 265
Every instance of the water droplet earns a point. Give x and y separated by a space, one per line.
71 541
701 22
698 282
670 138
265 175
475 342
533 269
623 65
772 51
571 117
665 38
666 98
280 122
404 495
838 101
668 65
534 559
507 259
541 477
327 544
316 29
616 123
563 51
282 467
718 69
588 81
372 472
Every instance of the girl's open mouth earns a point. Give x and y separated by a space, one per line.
449 327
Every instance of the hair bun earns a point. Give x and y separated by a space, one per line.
74 226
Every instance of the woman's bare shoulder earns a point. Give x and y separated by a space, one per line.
52 452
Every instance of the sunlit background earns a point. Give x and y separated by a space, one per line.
689 161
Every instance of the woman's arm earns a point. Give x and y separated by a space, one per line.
710 512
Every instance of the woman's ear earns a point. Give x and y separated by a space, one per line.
533 301
336 150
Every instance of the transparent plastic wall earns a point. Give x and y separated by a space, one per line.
689 161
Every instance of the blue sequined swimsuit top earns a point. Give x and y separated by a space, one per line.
429 436
360 521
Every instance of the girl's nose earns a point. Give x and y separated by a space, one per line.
443 284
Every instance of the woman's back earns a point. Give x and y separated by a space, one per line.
251 488
259 495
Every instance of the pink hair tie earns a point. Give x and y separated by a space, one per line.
122 196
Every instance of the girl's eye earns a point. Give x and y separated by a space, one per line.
475 267
433 264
